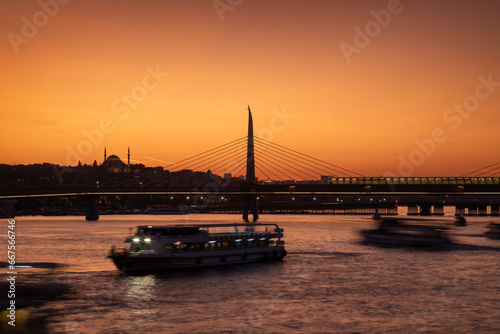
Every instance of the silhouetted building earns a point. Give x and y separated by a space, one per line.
113 164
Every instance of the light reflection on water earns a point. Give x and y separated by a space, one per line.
329 282
140 288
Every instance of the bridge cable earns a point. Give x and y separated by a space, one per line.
299 162
208 152
308 156
282 167
477 170
279 177
281 158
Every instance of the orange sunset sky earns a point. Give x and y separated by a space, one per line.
361 84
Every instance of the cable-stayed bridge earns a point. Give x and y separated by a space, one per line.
251 167
273 162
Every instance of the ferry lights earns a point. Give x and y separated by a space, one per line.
139 240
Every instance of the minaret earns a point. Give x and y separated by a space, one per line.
105 154
128 158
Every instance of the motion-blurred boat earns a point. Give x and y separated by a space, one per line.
406 232
161 248
493 231
460 221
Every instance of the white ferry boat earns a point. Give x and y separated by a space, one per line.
162 248
407 232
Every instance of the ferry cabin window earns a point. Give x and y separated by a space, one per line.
194 247
263 242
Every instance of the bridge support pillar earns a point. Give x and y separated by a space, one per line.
438 210
250 205
459 210
425 210
92 208
412 210
495 210
472 210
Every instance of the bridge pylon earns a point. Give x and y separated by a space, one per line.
250 204
92 208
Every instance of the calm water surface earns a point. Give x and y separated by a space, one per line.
329 282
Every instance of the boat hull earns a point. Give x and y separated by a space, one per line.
374 236
140 263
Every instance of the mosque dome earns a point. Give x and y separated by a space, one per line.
113 159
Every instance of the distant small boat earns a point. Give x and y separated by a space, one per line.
493 231
397 231
167 211
460 221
